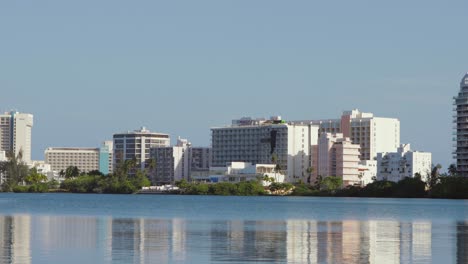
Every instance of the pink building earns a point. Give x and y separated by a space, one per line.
337 156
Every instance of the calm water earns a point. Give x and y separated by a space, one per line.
69 228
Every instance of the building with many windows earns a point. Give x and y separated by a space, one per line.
372 134
172 163
15 133
60 158
178 162
136 145
260 141
461 127
395 166
337 156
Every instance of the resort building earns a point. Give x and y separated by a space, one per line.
372 134
395 166
60 158
15 133
136 145
460 120
260 141
337 156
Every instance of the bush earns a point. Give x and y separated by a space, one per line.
378 189
452 187
410 188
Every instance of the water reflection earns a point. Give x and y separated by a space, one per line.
47 239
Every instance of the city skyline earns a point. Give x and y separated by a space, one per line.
183 68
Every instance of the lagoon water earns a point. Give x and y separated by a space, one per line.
89 228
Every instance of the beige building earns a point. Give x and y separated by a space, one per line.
86 159
337 156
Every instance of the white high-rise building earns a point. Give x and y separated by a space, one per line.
15 133
136 145
395 166
372 134
461 127
261 141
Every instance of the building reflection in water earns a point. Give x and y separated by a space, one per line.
31 239
15 243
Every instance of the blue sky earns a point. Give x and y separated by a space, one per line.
88 69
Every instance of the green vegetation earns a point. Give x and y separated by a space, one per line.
246 188
21 179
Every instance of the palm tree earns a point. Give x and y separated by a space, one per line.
452 170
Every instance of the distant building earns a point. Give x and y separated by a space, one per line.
337 156
45 169
239 172
201 158
260 141
172 163
395 166
367 171
2 158
372 134
461 127
177 162
106 157
60 158
136 145
15 133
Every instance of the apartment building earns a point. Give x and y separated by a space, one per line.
372 134
337 156
136 145
201 158
261 141
460 120
60 158
395 166
15 133
172 163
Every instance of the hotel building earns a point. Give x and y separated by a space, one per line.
85 159
372 134
261 141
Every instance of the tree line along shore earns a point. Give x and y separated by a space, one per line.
126 179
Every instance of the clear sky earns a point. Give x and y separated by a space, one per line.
87 69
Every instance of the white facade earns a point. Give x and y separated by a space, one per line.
460 120
367 171
373 134
137 144
239 172
2 158
86 159
15 133
45 169
262 141
395 166
337 156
